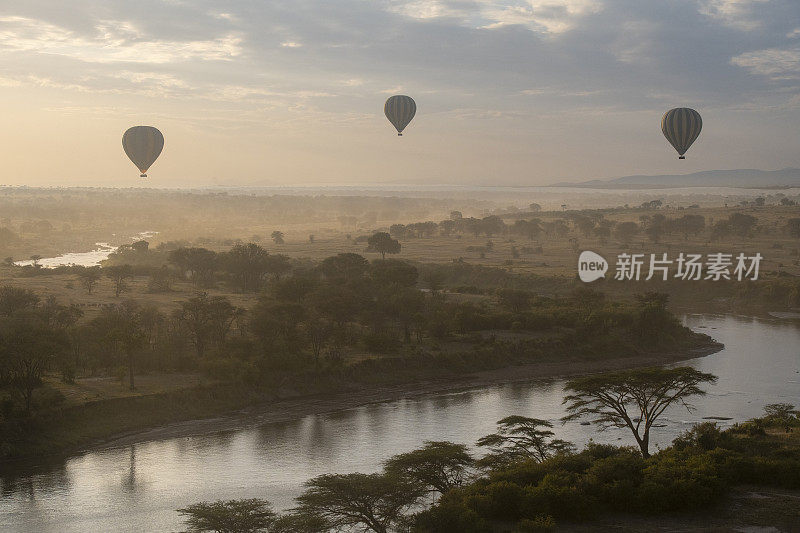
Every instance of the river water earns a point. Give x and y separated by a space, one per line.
137 488
87 259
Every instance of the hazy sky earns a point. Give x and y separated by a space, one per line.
291 93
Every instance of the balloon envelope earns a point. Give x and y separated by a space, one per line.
143 144
681 126
400 109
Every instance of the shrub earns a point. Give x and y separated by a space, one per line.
450 516
540 524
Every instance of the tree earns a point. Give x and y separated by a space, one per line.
438 465
35 260
626 231
294 522
161 280
383 243
89 277
208 319
781 413
62 319
520 438
277 265
129 333
720 230
689 224
27 349
318 330
248 264
633 399
398 231
14 299
344 267
232 516
603 230
140 247
492 225
584 224
373 502
277 237
118 274
446 226
528 228
294 288
393 272
200 264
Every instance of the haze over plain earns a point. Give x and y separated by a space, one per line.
291 93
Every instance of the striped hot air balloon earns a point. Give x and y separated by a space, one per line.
681 127
143 145
400 109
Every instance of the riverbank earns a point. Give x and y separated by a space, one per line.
218 408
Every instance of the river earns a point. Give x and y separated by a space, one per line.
137 488
87 259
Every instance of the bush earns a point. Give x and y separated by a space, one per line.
450 516
559 495
501 500
541 523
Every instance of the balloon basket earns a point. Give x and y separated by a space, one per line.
682 157
399 134
143 175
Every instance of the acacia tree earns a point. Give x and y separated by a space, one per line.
633 399
520 438
89 277
118 274
232 516
373 502
383 243
438 465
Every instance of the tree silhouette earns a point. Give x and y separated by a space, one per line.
383 243
633 399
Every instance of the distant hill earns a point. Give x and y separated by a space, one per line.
746 178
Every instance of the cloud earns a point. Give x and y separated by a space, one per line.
740 14
542 16
291 44
775 63
113 41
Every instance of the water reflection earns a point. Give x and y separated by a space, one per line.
138 488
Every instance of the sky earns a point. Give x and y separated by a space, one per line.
291 93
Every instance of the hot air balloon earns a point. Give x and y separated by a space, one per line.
143 144
681 127
400 109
